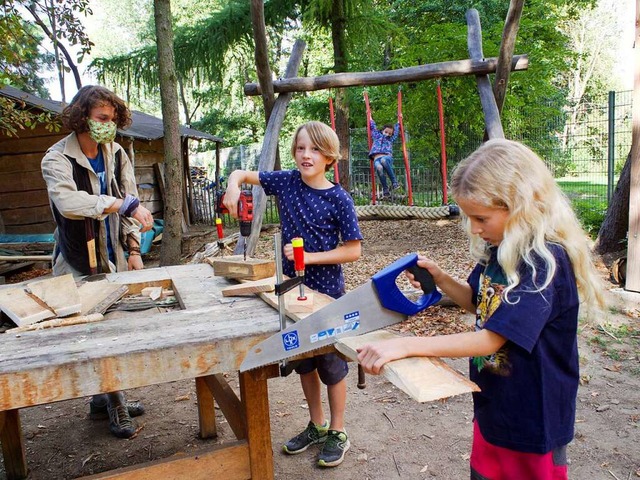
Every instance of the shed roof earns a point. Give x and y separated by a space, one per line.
143 126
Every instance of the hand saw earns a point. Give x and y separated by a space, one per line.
376 304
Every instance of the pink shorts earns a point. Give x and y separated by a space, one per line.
489 462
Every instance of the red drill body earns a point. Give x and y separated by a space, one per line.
245 214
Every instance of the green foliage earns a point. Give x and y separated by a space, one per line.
15 116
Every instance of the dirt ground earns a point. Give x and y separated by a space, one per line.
392 436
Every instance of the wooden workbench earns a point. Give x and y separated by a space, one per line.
208 337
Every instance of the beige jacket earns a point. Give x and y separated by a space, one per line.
76 205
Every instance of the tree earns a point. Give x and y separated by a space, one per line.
173 166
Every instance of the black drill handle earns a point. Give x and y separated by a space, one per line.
425 278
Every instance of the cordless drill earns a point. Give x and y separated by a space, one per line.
245 214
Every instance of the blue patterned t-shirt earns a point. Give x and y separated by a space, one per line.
322 218
528 388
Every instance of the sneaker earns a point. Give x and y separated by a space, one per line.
120 423
334 448
395 186
310 436
99 412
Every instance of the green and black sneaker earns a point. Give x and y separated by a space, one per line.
310 436
334 448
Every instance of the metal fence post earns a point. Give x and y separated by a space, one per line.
611 153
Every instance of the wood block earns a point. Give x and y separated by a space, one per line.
250 288
294 304
153 293
423 378
97 297
236 267
59 293
21 308
319 300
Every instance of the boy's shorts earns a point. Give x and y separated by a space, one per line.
331 367
489 462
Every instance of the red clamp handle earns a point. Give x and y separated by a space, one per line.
219 228
298 254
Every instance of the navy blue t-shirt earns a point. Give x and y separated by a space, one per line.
98 166
320 217
528 391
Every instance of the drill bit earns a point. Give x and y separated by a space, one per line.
245 250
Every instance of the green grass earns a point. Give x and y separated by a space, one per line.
589 200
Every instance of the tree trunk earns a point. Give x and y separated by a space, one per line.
338 24
172 233
613 230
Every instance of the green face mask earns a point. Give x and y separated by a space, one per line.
102 132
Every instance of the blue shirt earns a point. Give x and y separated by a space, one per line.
98 167
320 217
528 391
380 142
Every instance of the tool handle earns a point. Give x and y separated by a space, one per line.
298 254
390 295
219 228
423 276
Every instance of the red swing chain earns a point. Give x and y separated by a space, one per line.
369 142
404 150
443 146
336 175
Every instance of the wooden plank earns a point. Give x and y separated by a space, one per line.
455 68
20 181
255 399
422 378
97 297
58 293
60 322
13 448
507 45
25 258
230 462
24 216
206 410
34 145
24 199
236 267
21 308
229 403
29 162
44 227
250 288
320 300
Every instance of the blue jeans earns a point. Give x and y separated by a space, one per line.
384 165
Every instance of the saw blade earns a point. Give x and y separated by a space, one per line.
355 313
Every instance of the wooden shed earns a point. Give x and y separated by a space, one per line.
24 204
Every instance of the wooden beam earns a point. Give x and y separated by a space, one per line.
13 449
261 54
230 462
489 107
269 149
456 68
633 245
206 410
229 403
507 45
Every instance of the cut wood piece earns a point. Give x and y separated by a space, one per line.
58 293
97 297
21 308
153 293
236 267
250 288
60 322
319 300
422 378
294 304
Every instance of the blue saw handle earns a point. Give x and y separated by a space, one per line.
390 295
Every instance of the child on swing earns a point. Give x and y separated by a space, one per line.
382 154
534 268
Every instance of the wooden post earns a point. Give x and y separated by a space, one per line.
633 244
206 410
488 101
456 68
13 450
255 399
509 33
269 149
261 54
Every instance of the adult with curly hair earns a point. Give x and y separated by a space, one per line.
94 199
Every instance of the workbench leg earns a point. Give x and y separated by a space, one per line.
206 410
255 398
13 451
